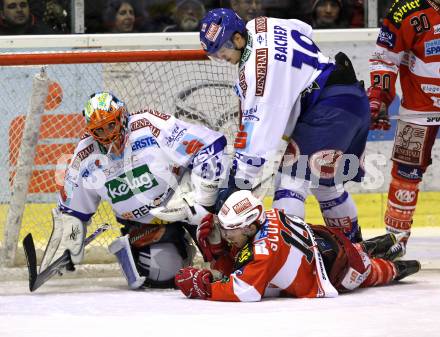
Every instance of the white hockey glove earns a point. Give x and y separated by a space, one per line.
183 208
189 202
68 233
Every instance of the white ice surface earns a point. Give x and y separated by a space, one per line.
103 307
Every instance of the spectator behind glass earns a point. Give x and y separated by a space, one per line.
357 14
120 16
187 16
328 14
57 15
159 12
248 9
16 19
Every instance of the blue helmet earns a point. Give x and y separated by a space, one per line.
218 26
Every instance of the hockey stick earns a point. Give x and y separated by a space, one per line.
37 280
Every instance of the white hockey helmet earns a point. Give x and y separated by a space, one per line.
240 210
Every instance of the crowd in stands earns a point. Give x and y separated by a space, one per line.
126 16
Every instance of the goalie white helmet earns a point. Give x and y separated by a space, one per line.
241 210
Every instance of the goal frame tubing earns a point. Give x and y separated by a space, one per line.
82 57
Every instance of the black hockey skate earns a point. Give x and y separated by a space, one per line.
380 246
406 268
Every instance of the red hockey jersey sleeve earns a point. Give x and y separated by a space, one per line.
408 44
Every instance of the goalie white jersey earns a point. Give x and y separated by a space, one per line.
279 66
159 148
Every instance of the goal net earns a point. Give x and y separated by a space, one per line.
41 123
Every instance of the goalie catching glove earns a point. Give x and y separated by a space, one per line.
68 233
194 283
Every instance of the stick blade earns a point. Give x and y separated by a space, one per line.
31 260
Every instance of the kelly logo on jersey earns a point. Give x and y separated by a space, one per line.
128 184
142 143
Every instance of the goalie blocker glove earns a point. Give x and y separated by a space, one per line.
68 233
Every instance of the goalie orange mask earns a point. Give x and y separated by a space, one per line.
106 118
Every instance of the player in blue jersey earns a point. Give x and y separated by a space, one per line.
289 90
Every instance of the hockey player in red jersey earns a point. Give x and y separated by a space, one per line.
409 46
272 254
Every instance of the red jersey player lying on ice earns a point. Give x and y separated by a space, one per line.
266 253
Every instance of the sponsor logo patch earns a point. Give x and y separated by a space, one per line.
341 223
224 210
405 196
325 163
158 114
213 32
143 142
144 123
408 147
432 48
81 155
242 81
399 13
244 256
430 88
84 136
176 135
436 29
242 205
261 70
250 115
128 184
261 24
386 38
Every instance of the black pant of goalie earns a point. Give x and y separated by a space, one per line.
160 259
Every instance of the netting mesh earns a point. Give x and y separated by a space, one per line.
199 91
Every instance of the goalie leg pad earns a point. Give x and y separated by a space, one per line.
121 249
68 233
